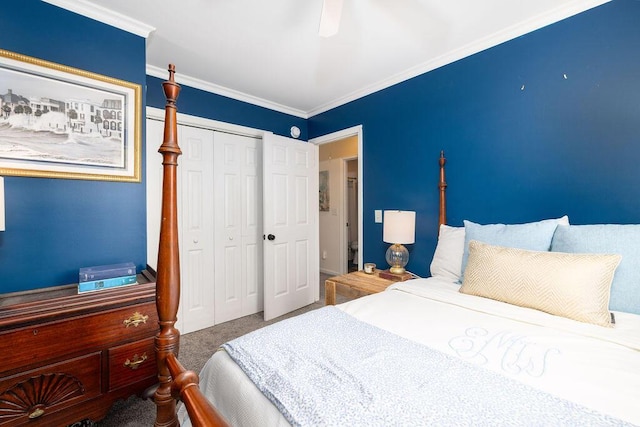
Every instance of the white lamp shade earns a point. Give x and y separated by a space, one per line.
399 227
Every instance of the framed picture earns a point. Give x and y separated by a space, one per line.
62 122
323 195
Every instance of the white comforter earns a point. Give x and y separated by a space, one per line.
594 366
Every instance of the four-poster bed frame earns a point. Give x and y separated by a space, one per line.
175 382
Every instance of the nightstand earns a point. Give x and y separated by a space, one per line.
354 285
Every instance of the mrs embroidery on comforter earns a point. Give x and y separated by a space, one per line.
513 353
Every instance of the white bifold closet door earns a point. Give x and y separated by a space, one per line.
195 220
238 226
219 222
196 233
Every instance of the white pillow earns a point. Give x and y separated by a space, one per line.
447 259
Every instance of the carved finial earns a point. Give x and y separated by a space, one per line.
171 91
171 88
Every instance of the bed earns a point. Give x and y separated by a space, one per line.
520 324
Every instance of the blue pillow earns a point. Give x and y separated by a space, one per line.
608 239
533 236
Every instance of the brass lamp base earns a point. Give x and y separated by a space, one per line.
396 269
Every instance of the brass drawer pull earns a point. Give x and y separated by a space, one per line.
137 361
135 320
36 413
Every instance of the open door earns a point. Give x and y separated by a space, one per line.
290 217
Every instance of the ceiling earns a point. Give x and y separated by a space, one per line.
269 53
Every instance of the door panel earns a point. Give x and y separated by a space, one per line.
291 262
197 296
195 228
238 227
252 277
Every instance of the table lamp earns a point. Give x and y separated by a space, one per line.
398 228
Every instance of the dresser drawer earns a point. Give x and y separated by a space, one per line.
55 340
131 363
31 395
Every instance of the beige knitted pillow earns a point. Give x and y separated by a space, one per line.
576 286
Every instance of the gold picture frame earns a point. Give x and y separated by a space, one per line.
62 122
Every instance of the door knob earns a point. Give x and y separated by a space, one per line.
271 237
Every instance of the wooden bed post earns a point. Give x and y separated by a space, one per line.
168 278
174 381
442 185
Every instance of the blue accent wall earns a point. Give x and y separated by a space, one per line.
55 226
200 103
522 141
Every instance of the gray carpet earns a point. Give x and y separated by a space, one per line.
195 350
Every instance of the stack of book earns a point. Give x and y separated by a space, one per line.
106 276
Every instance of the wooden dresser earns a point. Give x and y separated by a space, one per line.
68 357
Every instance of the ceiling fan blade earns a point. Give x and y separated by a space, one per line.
330 18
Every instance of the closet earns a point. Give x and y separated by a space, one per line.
236 185
221 251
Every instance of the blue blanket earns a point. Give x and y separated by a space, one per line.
326 368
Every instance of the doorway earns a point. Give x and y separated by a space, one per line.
340 227
351 205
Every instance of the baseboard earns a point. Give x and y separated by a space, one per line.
329 272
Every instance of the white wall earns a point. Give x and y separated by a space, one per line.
332 222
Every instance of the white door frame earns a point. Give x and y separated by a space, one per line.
186 119
346 213
341 134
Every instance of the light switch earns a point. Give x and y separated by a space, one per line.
378 215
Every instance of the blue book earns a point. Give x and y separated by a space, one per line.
99 272
113 282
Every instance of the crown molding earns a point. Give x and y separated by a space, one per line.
105 16
125 23
161 73
509 33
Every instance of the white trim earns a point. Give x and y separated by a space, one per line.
330 272
161 73
341 134
104 15
476 46
189 120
